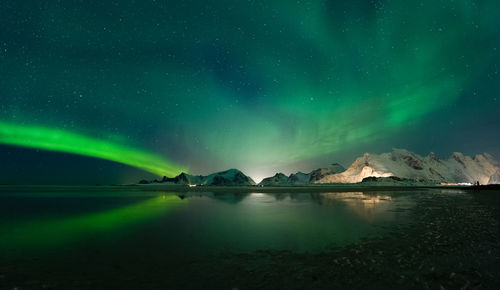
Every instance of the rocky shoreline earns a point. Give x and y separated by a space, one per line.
452 243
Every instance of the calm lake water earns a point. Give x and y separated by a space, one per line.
191 223
130 238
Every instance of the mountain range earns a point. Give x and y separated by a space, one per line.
299 178
431 169
231 177
397 167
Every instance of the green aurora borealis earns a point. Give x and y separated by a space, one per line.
58 140
262 86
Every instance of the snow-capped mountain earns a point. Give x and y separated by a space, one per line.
495 178
405 164
300 178
400 167
277 179
231 177
320 173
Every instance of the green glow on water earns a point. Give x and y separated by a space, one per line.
55 232
63 141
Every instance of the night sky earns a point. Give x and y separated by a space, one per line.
115 91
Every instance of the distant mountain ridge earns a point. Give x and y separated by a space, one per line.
231 177
397 167
301 178
403 167
430 169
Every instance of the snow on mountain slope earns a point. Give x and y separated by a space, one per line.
276 180
405 164
231 177
280 179
301 178
495 178
322 172
228 177
397 167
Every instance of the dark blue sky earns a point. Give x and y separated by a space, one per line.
120 90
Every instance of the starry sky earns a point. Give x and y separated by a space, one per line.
115 91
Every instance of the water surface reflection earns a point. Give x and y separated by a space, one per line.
197 223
